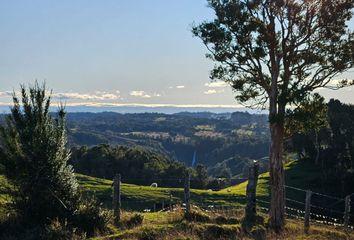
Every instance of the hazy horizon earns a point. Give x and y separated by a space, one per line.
148 109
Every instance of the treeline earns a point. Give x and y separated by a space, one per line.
138 166
331 148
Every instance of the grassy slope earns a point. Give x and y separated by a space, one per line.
168 226
297 174
139 197
172 225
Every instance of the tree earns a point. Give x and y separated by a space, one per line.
33 151
200 177
340 157
308 118
276 53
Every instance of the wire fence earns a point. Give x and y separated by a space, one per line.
324 208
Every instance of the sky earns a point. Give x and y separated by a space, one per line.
113 52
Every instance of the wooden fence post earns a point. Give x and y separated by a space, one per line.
347 211
171 202
116 198
187 193
307 211
251 209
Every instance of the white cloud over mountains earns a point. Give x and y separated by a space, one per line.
213 91
87 96
217 84
143 94
96 96
139 93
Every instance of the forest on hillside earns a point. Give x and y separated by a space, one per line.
154 147
219 140
163 145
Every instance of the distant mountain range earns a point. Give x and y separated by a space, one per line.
146 109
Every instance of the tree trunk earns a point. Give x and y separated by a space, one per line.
277 208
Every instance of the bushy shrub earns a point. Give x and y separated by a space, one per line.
62 231
15 228
221 232
90 217
149 234
224 220
135 220
258 232
34 157
196 216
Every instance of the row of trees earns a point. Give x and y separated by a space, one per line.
330 146
139 166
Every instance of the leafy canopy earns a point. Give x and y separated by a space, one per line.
279 50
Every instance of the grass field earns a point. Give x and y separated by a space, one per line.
172 225
217 225
135 197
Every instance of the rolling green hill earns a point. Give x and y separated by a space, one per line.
165 224
134 197
298 174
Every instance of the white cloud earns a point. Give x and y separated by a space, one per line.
139 93
213 91
217 84
87 96
143 94
180 87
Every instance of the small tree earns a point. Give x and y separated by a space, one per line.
308 118
276 53
33 151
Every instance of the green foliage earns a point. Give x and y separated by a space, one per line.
34 154
176 136
197 216
310 116
224 220
57 230
278 50
136 165
333 142
91 218
15 228
135 220
199 178
214 231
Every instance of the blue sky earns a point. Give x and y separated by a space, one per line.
111 51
